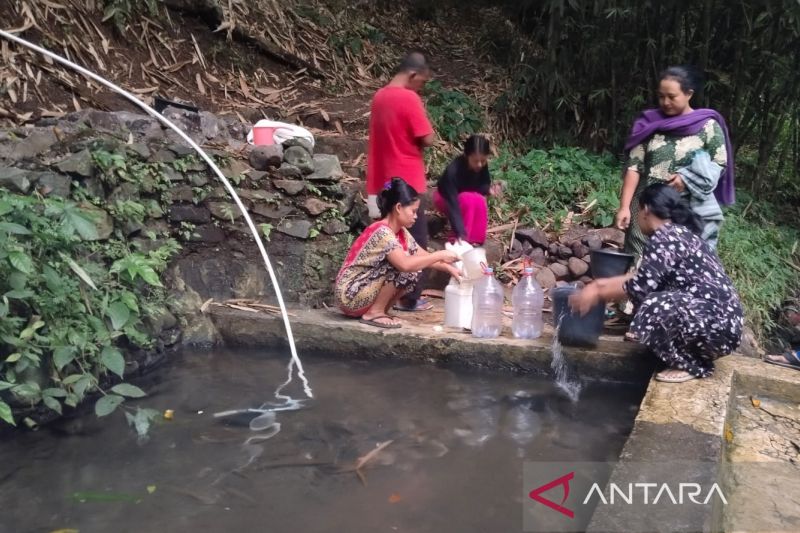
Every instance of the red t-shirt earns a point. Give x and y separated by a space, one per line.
397 120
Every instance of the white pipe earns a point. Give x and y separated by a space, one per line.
150 111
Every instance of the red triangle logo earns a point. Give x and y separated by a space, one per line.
536 494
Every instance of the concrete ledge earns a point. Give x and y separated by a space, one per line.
330 332
695 421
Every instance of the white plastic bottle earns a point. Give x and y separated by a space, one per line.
487 306
528 300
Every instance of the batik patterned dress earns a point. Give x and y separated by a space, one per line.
367 269
699 159
687 310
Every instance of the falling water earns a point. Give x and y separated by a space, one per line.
260 413
565 380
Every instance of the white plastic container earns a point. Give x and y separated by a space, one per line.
473 264
487 306
528 300
458 304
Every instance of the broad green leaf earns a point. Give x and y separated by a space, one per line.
150 276
14 357
52 403
79 271
19 294
129 299
28 332
21 261
5 385
54 393
119 313
62 356
131 391
112 359
52 278
29 391
71 400
14 229
142 421
5 208
80 221
107 404
71 379
82 385
17 280
5 413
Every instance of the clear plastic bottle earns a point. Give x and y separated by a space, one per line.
487 306
528 300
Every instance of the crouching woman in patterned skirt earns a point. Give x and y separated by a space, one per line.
385 261
687 311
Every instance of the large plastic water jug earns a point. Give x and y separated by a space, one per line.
487 306
458 304
473 263
528 301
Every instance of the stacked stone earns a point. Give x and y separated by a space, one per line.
564 260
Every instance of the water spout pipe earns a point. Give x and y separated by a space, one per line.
295 360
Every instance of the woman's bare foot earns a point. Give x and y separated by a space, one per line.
674 375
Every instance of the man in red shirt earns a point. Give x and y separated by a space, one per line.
399 130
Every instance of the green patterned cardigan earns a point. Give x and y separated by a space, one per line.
699 159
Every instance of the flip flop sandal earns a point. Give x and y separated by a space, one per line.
421 305
680 379
374 322
792 357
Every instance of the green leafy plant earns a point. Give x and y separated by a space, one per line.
762 259
68 307
454 114
120 12
266 230
544 185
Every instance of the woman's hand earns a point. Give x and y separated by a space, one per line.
446 256
677 183
453 271
623 218
496 189
582 301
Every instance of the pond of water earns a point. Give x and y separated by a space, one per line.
454 443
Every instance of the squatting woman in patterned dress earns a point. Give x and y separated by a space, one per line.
688 149
385 261
687 310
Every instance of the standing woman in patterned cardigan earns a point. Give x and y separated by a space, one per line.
688 149
687 311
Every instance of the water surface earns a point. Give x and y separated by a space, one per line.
459 440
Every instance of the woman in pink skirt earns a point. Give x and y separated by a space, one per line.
462 191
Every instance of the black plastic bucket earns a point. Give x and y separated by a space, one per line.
576 330
609 263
